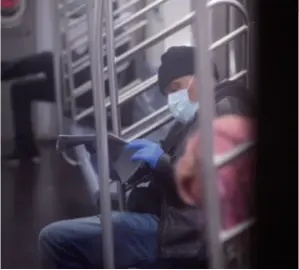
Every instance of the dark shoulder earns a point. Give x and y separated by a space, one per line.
232 97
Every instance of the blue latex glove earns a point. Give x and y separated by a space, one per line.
148 151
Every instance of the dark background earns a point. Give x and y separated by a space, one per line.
277 171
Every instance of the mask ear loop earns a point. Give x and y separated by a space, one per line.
188 88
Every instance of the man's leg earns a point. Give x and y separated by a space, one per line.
78 243
29 65
23 93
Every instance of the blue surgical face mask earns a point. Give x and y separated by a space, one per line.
180 105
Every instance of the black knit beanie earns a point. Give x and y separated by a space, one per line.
177 62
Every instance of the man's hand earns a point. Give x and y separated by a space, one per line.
147 151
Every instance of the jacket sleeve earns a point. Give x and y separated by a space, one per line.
164 177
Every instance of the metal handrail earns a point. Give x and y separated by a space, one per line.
227 38
90 110
164 119
232 63
206 112
177 26
96 52
75 22
230 156
162 111
75 10
227 235
139 14
113 84
234 3
58 73
119 39
130 54
57 68
124 96
125 6
70 73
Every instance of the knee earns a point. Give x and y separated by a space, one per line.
51 236
47 236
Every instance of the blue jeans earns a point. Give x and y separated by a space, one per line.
77 243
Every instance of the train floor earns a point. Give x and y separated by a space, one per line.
34 196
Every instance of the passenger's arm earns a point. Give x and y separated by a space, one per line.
229 131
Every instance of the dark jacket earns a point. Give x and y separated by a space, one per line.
181 226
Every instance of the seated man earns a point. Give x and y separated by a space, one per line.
77 243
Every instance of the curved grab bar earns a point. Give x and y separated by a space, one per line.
69 160
95 31
234 3
242 10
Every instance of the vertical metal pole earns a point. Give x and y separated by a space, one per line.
231 13
245 47
57 65
69 62
113 85
95 30
246 54
204 82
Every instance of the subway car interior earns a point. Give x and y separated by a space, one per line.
79 82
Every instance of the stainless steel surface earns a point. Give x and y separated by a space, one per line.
123 97
162 112
57 68
113 84
232 65
177 26
69 67
224 159
234 3
162 120
227 38
226 235
139 13
238 75
110 47
76 22
204 82
125 6
76 10
96 19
